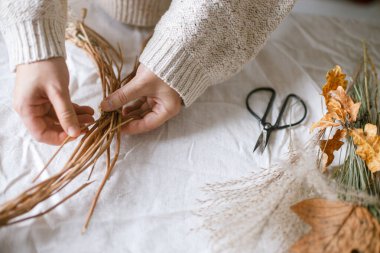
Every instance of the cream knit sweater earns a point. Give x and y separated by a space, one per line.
196 43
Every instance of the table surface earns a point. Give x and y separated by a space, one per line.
148 202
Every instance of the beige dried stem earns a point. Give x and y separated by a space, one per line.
96 141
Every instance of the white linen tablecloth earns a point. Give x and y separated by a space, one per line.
147 204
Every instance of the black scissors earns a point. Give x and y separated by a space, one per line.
268 128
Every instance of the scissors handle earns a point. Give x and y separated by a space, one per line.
269 106
268 128
282 110
267 125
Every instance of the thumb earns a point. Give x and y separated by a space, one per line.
122 96
65 112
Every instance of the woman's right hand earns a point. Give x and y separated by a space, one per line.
41 98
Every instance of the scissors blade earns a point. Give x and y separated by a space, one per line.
268 133
261 142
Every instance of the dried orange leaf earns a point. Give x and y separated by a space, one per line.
329 146
370 130
368 146
340 106
326 121
336 227
346 102
334 78
336 111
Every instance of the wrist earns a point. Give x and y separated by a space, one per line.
41 64
178 68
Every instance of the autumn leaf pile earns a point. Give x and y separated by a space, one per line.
349 129
341 115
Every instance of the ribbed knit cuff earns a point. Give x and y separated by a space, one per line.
170 62
136 12
32 41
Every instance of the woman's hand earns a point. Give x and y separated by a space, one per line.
42 99
145 92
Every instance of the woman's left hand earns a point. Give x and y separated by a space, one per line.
144 92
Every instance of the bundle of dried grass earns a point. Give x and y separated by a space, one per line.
97 140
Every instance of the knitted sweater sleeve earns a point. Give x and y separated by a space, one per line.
198 43
33 30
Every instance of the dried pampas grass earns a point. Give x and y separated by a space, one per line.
248 213
97 140
252 213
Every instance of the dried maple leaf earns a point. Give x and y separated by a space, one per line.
339 104
340 107
335 112
368 146
334 78
336 227
329 146
334 108
327 120
346 102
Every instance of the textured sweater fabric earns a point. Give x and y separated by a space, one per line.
195 44
136 12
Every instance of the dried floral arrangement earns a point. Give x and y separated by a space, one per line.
353 121
334 179
97 140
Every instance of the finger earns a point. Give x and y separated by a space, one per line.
53 136
65 112
122 96
150 121
43 130
79 110
35 110
134 106
138 111
83 109
85 119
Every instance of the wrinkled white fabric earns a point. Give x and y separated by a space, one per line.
148 203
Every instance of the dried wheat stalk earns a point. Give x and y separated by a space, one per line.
96 141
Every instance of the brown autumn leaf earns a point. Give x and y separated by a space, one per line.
336 111
336 227
367 143
327 120
329 146
346 102
340 108
334 79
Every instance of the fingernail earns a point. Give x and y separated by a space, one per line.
72 131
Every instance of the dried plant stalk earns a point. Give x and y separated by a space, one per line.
96 141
